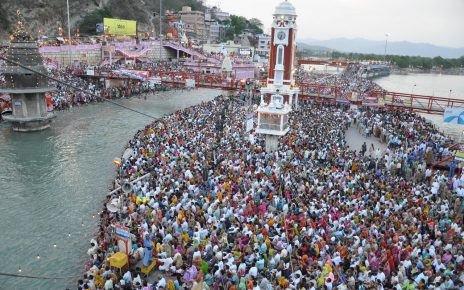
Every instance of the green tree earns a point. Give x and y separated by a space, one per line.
238 23
255 25
88 24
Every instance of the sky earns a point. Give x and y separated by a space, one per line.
440 22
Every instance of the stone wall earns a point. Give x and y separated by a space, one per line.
92 54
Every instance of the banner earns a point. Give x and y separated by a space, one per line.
122 233
120 26
454 115
249 122
459 156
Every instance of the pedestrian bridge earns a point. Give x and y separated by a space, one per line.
328 93
317 92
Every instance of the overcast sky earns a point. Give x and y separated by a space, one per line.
439 22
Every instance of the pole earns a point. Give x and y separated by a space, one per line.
161 34
385 51
69 33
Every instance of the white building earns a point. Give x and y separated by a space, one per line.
264 44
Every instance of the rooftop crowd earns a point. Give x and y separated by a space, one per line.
218 212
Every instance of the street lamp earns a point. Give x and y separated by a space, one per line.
386 42
69 33
161 34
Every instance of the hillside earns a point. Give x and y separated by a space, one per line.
360 45
45 16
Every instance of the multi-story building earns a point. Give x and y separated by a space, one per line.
194 23
217 14
215 28
214 31
263 45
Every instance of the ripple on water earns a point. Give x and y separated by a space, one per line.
54 181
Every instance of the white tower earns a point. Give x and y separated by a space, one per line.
280 92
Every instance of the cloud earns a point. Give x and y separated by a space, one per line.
432 21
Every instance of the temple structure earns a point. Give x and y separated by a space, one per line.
280 95
27 89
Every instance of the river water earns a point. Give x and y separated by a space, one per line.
438 85
52 185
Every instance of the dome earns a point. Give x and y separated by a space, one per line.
285 8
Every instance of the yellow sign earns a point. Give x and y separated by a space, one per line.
120 26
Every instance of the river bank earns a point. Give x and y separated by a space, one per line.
56 180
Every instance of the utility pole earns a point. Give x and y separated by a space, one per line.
161 29
385 51
69 33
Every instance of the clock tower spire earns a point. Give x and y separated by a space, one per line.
280 93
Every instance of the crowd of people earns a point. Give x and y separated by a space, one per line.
65 97
348 82
219 212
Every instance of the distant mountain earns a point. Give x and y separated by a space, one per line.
361 45
305 46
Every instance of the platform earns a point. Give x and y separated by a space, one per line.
355 139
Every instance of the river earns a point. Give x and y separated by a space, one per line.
53 183
429 85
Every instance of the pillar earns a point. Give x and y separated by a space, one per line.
296 101
272 143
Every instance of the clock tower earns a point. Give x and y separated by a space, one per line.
283 45
280 94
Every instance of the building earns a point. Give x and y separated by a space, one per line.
214 31
194 23
279 95
26 82
229 47
263 45
217 14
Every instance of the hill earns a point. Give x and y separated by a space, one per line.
360 45
45 16
318 48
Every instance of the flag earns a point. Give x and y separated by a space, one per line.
454 115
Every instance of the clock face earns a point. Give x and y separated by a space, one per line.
281 35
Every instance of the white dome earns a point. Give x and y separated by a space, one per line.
285 8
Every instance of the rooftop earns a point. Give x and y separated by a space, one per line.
285 8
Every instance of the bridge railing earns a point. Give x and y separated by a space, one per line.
419 103
329 93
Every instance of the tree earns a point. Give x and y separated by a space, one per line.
238 23
88 24
255 25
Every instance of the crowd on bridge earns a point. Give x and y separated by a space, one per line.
218 212
343 84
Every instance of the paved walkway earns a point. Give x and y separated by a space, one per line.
355 139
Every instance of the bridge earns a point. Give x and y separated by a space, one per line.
327 93
310 92
337 63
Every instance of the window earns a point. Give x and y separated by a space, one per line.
280 52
